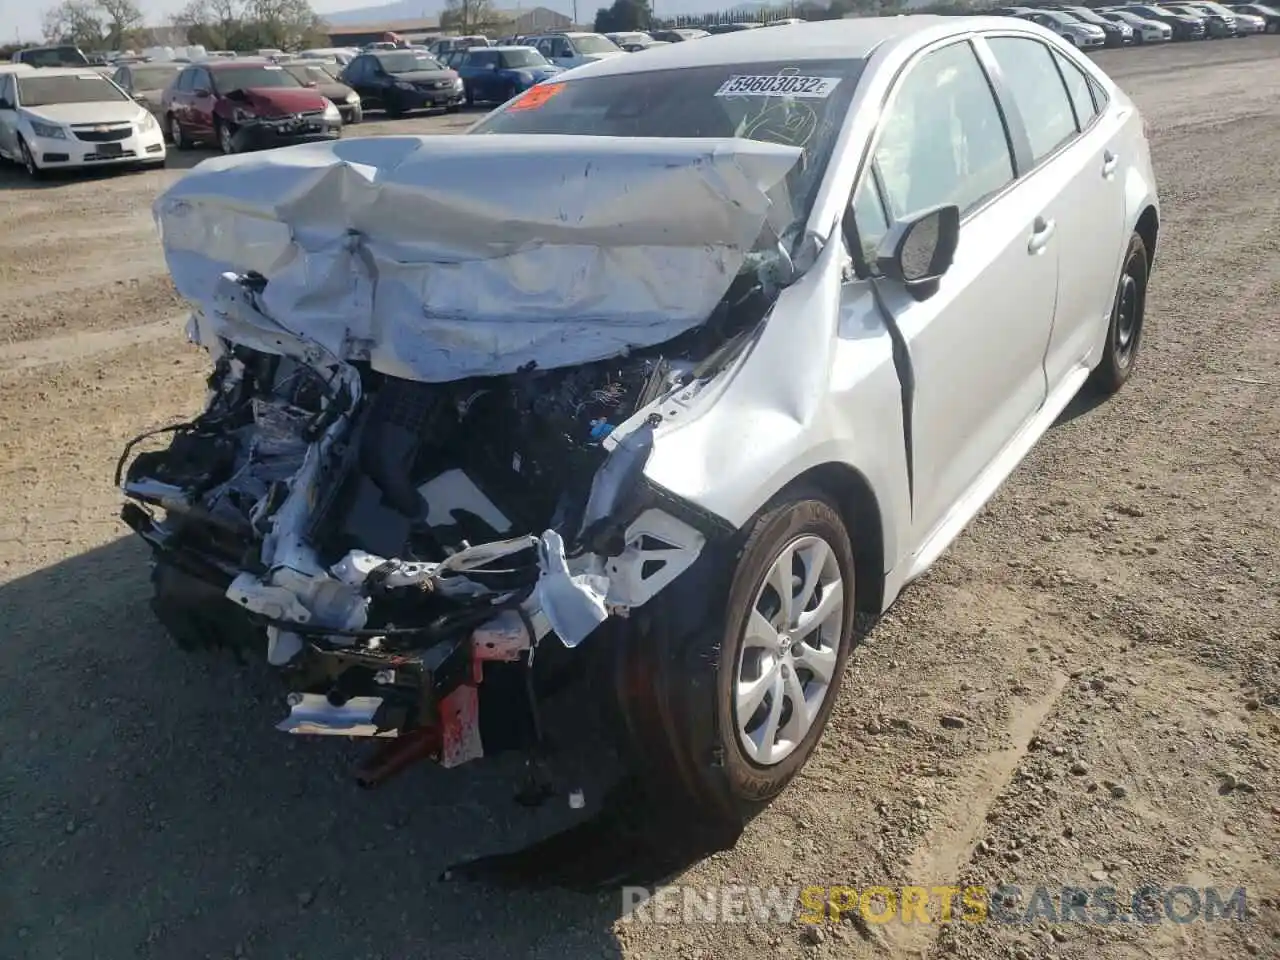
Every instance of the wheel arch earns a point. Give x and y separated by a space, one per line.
859 509
1148 228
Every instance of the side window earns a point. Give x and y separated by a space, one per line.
1037 91
1100 98
869 217
485 59
6 91
544 47
1078 90
943 139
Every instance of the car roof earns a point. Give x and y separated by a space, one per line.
509 46
851 39
216 65
61 72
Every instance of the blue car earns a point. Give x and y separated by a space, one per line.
497 74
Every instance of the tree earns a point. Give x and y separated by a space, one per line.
74 21
123 19
467 16
624 15
251 24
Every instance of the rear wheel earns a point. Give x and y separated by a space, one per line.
1124 333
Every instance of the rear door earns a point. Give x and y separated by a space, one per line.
977 346
8 118
1072 157
203 98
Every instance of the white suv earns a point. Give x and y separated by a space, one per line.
574 49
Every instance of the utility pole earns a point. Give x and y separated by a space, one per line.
575 12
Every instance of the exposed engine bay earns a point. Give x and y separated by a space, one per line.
395 544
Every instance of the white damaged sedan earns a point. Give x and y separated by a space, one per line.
64 118
683 361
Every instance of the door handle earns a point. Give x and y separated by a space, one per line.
1041 231
1109 162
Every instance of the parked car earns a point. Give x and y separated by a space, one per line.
1075 32
451 44
61 55
1184 27
1270 15
1219 26
323 75
339 55
733 27
397 81
634 38
640 47
245 104
450 439
57 118
1244 24
1147 31
1117 34
146 83
574 49
678 34
497 74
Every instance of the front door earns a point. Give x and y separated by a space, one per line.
976 347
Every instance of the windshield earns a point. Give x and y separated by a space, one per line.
407 62
594 43
513 59
1088 16
80 88
772 102
1057 16
244 78
153 78
1215 7
309 73
54 57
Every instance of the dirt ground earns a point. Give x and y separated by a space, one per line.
1107 634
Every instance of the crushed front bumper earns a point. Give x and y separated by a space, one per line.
266 134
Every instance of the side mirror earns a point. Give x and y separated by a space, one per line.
201 92
310 83
917 252
139 98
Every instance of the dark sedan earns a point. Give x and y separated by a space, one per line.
1269 15
323 76
402 80
1184 27
497 74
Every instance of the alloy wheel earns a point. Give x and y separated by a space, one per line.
789 650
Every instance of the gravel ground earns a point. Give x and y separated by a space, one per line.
1106 637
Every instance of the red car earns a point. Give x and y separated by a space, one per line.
245 105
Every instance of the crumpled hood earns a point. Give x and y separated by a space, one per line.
438 258
279 101
120 111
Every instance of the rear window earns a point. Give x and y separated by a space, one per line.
54 57
153 78
514 59
778 102
37 91
407 62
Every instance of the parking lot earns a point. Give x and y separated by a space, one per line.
1105 641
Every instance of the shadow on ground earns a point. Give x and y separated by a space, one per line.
148 808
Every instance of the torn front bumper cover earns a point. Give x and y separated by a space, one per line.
436 271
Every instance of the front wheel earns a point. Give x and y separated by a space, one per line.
1124 332
226 137
29 161
176 136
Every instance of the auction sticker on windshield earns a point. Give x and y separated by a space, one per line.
787 85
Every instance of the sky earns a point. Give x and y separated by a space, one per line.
20 19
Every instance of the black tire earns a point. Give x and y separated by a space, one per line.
1128 314
28 161
471 97
453 108
802 513
225 137
176 136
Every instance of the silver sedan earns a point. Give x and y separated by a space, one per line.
687 361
